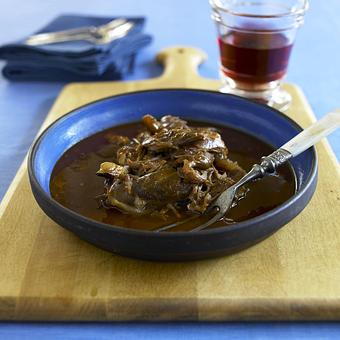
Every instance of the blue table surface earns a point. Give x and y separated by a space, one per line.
314 66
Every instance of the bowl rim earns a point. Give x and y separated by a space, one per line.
110 227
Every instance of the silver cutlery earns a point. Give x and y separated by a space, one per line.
103 34
268 165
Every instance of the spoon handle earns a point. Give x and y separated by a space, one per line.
313 134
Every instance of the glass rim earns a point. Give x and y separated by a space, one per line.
297 12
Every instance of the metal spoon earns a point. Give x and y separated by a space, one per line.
292 148
96 34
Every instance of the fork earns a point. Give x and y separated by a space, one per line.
268 165
95 34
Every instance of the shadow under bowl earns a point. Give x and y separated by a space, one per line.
264 122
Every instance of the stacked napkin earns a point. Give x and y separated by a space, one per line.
75 60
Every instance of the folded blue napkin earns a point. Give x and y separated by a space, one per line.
76 60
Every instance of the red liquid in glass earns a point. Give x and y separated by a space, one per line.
254 58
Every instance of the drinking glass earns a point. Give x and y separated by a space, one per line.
255 39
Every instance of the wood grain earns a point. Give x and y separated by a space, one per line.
47 273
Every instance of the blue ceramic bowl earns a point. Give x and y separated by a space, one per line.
211 107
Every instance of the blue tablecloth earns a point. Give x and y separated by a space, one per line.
167 331
314 66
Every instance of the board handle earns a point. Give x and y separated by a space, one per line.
181 63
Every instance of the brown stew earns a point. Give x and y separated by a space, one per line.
75 185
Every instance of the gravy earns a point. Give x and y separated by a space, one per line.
75 185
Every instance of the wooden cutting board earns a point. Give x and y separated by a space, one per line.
47 273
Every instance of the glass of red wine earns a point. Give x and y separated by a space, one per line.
255 39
